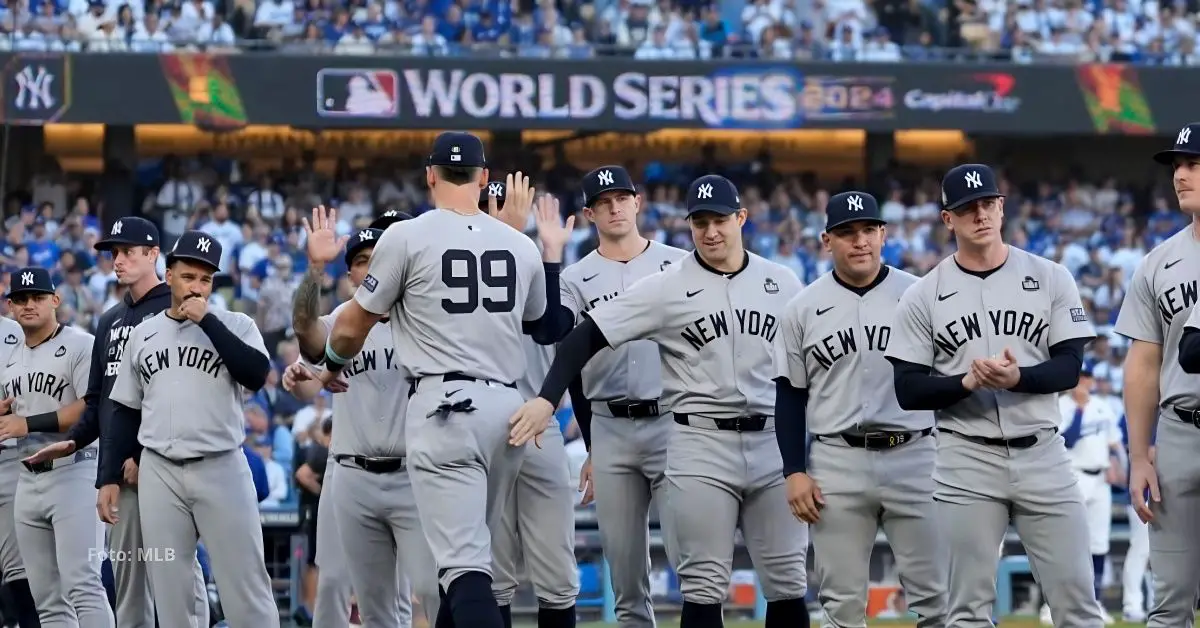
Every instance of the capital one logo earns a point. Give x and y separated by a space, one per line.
35 89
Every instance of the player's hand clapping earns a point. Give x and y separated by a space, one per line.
997 373
322 242
551 230
194 307
1143 479
53 451
106 503
518 202
529 422
805 498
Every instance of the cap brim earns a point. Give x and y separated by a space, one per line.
171 257
715 209
355 249
1167 157
970 198
108 244
832 226
14 293
591 200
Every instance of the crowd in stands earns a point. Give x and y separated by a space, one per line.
1098 230
1144 31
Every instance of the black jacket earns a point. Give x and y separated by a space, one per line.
112 332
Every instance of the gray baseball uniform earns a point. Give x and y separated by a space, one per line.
11 567
999 456
724 471
193 469
537 526
869 458
458 289
57 528
1157 308
371 503
629 430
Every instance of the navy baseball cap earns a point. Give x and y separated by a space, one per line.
31 280
455 148
967 183
364 239
132 231
495 188
713 193
388 218
1187 144
604 179
850 207
197 246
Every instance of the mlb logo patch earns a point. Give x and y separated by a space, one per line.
770 286
1078 315
1030 284
357 93
370 283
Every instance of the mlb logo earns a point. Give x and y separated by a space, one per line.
355 93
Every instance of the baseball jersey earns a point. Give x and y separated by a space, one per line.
191 406
1098 432
458 288
369 417
13 336
631 371
951 317
832 341
1157 307
537 365
47 377
714 331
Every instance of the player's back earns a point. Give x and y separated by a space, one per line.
459 288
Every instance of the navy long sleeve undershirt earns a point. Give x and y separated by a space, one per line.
791 426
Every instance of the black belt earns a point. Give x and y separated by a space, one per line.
756 423
1020 442
373 465
633 408
1187 416
880 440
179 462
1093 471
452 377
47 466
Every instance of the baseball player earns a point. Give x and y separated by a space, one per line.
133 243
1093 440
369 534
56 528
12 569
714 316
179 395
1160 382
986 340
536 528
460 288
871 463
632 430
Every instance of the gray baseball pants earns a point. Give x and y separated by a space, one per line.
462 469
719 481
629 462
11 567
979 489
537 529
865 490
211 499
379 533
135 603
58 530
1174 552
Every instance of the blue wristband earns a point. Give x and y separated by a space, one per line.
332 357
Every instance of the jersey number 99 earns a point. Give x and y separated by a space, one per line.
463 270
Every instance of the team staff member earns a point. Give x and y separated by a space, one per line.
986 340
714 316
57 532
367 520
1160 382
12 569
184 370
461 289
133 243
871 464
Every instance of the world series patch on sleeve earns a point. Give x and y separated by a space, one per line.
1078 315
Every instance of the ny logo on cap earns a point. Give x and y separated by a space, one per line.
365 235
973 180
26 279
606 177
855 203
494 189
391 213
203 244
116 230
704 191
1185 136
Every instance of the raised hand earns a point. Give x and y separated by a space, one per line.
518 202
323 243
550 228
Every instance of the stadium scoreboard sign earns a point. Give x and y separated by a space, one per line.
227 92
